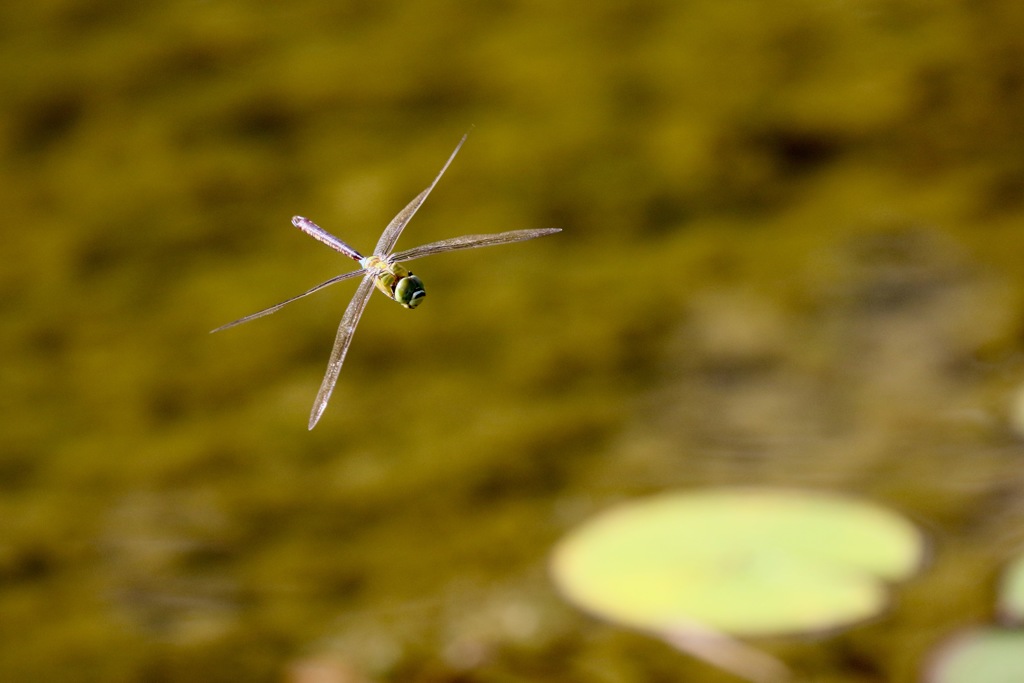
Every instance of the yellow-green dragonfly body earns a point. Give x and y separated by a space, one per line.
382 269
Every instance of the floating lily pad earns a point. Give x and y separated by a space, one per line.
740 561
1011 593
984 655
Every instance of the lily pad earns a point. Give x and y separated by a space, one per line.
1011 593
747 562
983 655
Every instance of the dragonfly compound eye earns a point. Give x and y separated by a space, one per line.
409 291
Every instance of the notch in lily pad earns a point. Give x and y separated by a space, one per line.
698 569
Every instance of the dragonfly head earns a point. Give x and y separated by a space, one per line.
409 291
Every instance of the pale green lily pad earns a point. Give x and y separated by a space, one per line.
1011 593
739 561
985 655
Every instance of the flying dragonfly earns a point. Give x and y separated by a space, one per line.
382 269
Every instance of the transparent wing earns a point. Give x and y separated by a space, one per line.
470 242
389 237
277 307
341 342
319 234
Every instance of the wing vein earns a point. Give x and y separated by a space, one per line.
277 307
389 237
470 242
346 329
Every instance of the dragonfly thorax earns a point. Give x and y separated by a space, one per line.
396 281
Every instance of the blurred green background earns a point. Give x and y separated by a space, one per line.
791 256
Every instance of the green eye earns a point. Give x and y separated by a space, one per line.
409 291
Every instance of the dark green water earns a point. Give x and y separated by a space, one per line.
791 255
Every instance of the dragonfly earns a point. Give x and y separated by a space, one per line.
382 269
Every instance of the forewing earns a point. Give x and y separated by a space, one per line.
390 235
341 342
277 307
470 242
